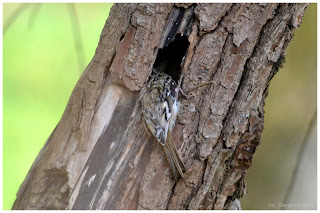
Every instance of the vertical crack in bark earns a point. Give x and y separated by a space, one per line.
171 195
223 127
256 134
196 189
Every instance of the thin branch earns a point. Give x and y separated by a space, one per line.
14 16
299 159
77 35
34 13
200 85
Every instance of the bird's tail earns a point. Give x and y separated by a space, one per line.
173 157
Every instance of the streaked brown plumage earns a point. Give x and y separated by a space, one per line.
160 107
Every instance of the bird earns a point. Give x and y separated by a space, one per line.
160 107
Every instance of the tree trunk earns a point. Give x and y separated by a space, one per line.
101 155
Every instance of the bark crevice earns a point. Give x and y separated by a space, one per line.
101 156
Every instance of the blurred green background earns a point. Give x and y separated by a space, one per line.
42 61
40 70
289 108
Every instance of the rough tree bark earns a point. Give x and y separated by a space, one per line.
100 155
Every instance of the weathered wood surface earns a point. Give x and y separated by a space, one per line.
100 155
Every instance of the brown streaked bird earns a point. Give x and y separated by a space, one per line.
160 107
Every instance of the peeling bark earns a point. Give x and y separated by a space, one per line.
101 156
